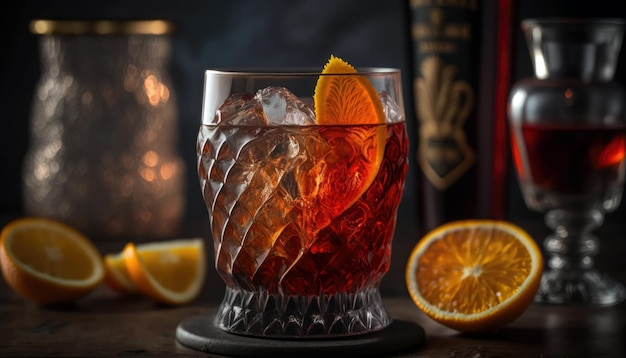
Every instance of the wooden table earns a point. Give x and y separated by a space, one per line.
106 324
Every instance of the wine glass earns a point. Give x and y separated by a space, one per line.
568 137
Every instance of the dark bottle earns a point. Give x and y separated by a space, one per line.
461 78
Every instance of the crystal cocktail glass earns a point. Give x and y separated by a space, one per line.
568 134
302 214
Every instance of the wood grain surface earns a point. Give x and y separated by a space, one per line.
107 324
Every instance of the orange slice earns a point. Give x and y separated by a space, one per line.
170 272
48 262
474 275
341 99
116 274
355 147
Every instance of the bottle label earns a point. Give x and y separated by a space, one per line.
446 65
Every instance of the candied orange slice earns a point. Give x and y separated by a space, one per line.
48 262
355 142
474 275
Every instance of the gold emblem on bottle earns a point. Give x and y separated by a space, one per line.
443 104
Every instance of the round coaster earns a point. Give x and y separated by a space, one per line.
200 334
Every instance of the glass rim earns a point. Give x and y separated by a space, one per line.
296 72
101 27
592 21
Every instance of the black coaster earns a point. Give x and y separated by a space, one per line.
200 334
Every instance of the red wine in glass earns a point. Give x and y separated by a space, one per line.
571 164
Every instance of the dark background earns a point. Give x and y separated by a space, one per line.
246 33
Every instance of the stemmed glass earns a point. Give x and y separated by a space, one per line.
568 131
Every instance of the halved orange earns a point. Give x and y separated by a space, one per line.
48 262
474 275
170 272
116 274
355 143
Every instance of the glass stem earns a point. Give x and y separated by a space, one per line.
572 246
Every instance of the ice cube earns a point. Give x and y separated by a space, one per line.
240 109
284 108
391 108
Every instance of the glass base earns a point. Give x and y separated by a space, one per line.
278 316
398 338
579 287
